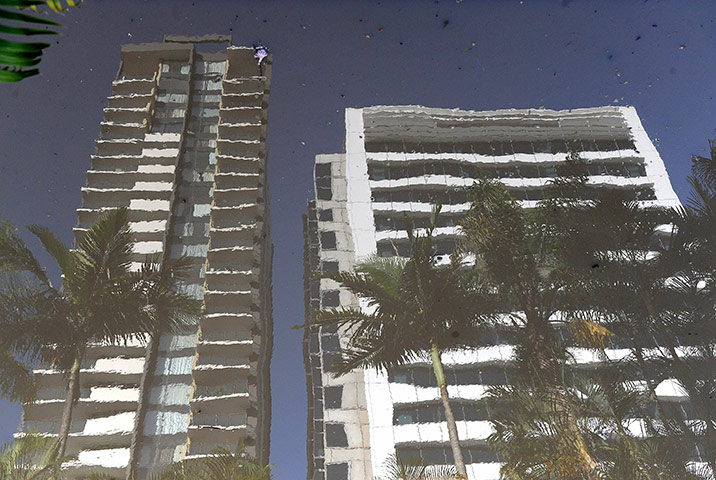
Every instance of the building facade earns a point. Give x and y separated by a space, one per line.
183 145
405 159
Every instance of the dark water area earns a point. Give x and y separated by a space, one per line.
327 56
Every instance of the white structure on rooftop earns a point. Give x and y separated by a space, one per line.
403 159
183 146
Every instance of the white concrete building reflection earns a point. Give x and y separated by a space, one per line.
183 145
403 159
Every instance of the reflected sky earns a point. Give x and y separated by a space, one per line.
655 55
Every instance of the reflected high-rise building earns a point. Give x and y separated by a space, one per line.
183 145
405 159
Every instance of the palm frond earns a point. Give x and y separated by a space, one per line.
16 380
104 253
704 168
30 457
15 256
416 469
589 334
57 6
54 247
16 56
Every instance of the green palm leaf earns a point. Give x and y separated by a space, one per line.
54 247
23 17
416 469
101 300
16 56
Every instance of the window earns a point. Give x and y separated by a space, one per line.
323 182
330 299
331 361
404 419
324 192
635 170
332 396
645 193
328 267
337 471
318 445
323 170
377 173
331 343
328 240
442 455
325 215
336 435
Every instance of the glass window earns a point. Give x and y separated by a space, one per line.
452 169
325 215
528 171
328 240
550 171
323 170
328 267
416 170
377 173
404 419
336 435
398 172
337 471
332 396
635 170
330 299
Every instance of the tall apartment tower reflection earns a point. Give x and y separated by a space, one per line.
183 146
403 159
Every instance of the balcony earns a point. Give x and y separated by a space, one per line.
111 130
217 374
126 162
252 114
121 147
244 85
127 115
89 407
128 179
234 349
239 164
236 179
138 86
204 438
236 256
207 391
223 321
222 404
245 99
227 197
240 148
132 100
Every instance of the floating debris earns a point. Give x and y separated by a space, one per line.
260 53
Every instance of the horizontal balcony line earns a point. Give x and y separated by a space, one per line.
220 367
218 400
478 158
236 273
239 124
226 109
121 124
166 173
242 94
226 428
149 96
134 80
